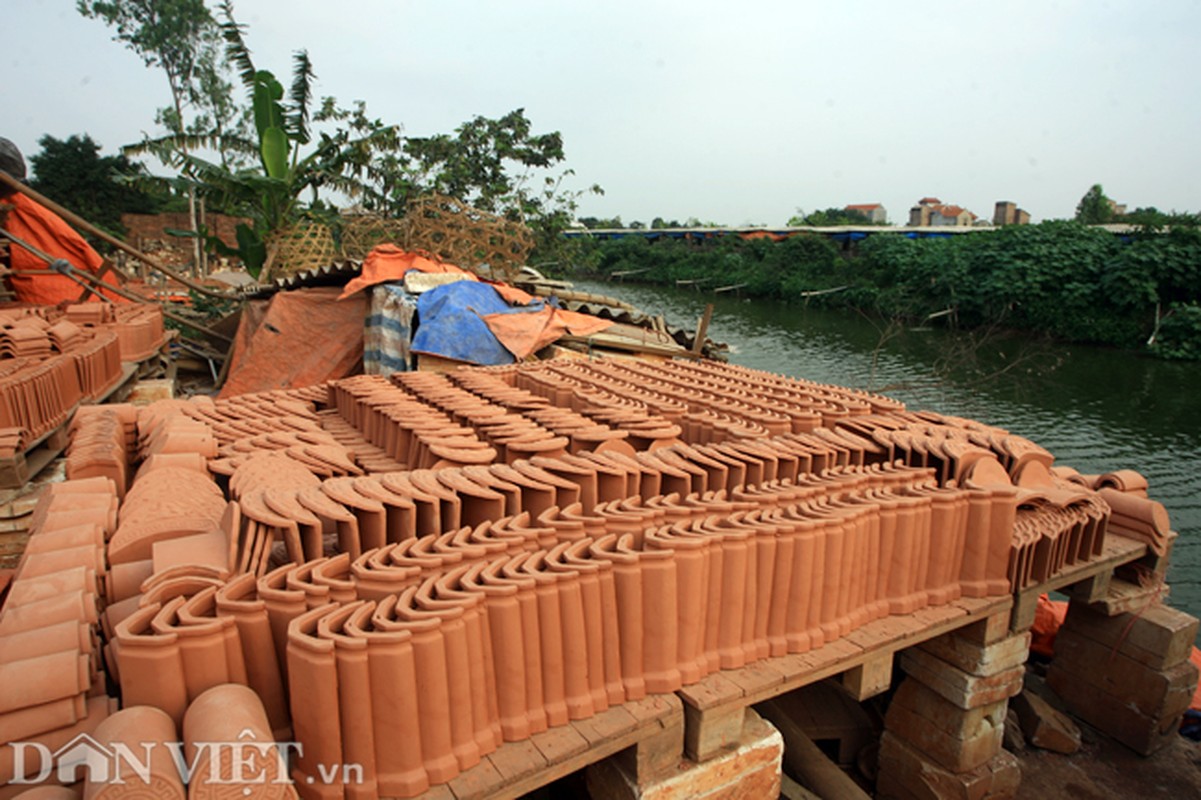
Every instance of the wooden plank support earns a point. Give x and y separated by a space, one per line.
16 470
1091 590
1118 550
648 734
713 706
1124 597
870 678
702 330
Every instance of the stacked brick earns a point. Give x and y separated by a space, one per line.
945 724
1129 675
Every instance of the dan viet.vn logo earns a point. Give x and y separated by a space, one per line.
244 762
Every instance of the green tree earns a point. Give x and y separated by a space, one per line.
1094 208
292 159
829 217
98 188
474 165
593 223
1152 219
171 35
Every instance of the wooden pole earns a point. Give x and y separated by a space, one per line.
808 762
84 225
75 274
702 330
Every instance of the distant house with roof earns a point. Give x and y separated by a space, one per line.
1008 213
874 212
930 211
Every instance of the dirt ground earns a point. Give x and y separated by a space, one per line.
1106 769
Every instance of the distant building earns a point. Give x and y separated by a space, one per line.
930 211
874 212
1008 213
1118 209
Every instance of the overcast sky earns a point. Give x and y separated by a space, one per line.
737 113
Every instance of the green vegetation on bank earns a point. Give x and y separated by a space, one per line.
1065 279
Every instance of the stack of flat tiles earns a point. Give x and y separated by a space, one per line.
25 338
49 655
12 441
91 314
64 334
51 361
37 395
139 330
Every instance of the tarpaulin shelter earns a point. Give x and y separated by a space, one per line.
297 338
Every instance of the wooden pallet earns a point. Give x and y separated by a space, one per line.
714 706
17 469
1088 581
644 731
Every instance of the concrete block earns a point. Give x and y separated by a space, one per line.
914 696
957 754
1152 692
1139 732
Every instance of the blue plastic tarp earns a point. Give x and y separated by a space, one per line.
450 324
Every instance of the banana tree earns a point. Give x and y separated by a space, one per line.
272 192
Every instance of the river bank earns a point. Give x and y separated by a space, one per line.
1077 283
1096 409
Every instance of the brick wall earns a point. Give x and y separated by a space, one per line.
152 227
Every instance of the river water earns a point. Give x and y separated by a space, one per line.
1097 410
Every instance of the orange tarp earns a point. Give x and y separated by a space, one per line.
388 262
1048 617
1195 657
524 333
45 230
511 294
300 338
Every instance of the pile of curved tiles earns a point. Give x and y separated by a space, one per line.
408 573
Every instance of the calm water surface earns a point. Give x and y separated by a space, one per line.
1097 410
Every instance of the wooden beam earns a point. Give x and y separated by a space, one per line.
702 330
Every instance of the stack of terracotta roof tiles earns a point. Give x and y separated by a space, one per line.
545 541
1132 513
49 362
12 441
139 330
103 444
25 338
49 657
37 396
